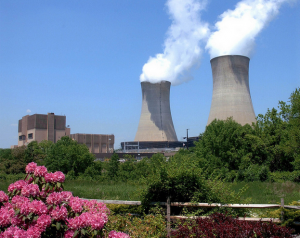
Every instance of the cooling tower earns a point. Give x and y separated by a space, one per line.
231 94
156 121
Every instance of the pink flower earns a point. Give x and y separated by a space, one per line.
34 232
3 197
40 171
17 185
74 223
54 198
114 234
98 221
25 208
30 190
59 213
43 222
66 196
59 177
17 201
69 234
29 180
49 178
6 215
15 221
30 167
95 207
38 207
12 232
76 204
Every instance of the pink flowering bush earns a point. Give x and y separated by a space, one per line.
38 207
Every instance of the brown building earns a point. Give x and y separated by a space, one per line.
39 127
96 143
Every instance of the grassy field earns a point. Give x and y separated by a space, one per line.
259 192
266 192
104 190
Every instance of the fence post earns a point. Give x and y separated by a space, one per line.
282 211
168 217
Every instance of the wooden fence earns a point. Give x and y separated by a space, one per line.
170 204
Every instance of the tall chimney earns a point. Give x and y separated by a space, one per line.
231 93
156 121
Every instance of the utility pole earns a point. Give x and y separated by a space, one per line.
187 138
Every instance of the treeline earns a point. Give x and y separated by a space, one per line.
266 150
75 161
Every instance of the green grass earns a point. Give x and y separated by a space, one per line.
266 192
259 192
104 190
4 185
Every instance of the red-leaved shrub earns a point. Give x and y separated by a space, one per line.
219 225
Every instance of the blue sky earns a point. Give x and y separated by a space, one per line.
83 59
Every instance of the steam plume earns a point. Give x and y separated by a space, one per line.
236 31
181 47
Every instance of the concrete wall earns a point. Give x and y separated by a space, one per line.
156 121
42 127
97 143
231 93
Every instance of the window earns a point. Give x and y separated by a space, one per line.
22 137
30 136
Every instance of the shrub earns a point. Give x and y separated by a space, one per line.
285 176
38 207
220 225
147 226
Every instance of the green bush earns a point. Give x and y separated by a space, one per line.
182 181
147 226
285 176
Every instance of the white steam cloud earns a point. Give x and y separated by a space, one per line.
181 47
236 31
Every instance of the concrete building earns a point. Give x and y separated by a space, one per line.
96 143
231 94
39 127
156 121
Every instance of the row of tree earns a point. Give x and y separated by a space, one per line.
271 144
226 150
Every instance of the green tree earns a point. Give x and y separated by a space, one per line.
182 180
223 144
12 160
67 155
113 166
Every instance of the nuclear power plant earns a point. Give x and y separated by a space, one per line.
231 98
231 94
156 122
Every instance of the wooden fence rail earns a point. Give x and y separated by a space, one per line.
207 205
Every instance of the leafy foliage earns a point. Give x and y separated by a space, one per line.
67 155
234 152
220 225
182 180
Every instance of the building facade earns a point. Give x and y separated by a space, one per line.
231 92
39 127
96 143
156 122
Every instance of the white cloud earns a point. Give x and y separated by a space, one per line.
182 49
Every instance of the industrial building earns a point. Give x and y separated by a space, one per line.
96 143
39 127
231 93
156 121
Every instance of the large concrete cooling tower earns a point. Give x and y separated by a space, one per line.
231 93
156 121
